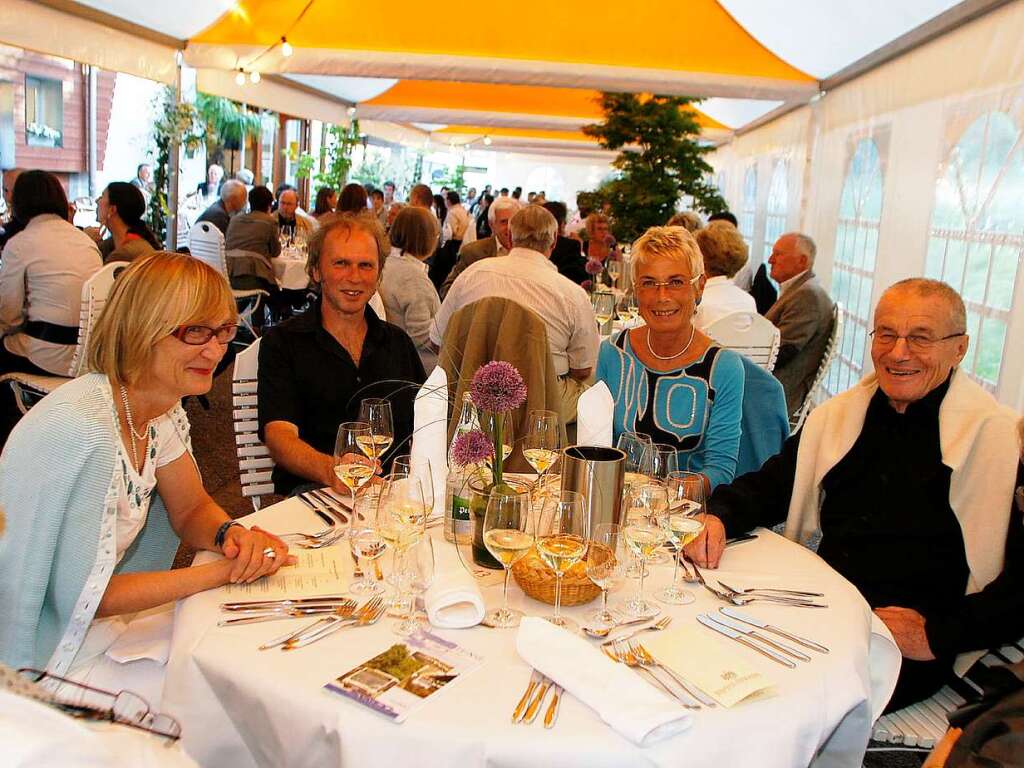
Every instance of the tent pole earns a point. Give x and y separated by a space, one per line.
175 167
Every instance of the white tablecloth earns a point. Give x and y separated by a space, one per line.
242 707
291 272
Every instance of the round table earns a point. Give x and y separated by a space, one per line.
239 706
290 270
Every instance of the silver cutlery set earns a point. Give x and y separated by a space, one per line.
791 597
334 611
533 699
754 634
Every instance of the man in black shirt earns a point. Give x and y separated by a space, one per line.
568 254
909 477
316 368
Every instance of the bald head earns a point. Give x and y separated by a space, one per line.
233 195
922 287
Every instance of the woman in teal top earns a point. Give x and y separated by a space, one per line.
669 380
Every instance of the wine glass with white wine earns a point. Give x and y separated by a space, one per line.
561 543
376 412
682 522
637 448
401 521
614 268
644 537
604 307
541 444
349 463
508 538
607 555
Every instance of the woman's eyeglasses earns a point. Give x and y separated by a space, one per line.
198 335
673 284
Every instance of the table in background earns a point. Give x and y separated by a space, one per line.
290 270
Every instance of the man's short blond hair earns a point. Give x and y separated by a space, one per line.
363 221
149 301
723 248
669 243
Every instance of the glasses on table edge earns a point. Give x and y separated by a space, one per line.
124 707
197 335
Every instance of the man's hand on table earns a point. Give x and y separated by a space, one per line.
247 548
706 550
907 627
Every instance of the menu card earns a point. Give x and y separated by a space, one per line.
318 572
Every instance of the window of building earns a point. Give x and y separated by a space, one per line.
778 207
976 236
44 112
860 213
749 210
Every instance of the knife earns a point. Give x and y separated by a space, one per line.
531 711
285 602
552 713
721 629
319 512
754 634
754 621
517 713
741 539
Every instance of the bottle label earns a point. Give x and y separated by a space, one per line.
460 508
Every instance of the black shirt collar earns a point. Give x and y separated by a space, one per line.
923 410
311 321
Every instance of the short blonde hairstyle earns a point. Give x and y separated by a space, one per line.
593 220
723 248
688 220
672 243
149 301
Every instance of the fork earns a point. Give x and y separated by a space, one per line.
741 599
661 624
343 611
321 624
366 616
622 654
644 657
773 590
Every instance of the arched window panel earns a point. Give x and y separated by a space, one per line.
855 255
749 210
778 207
977 233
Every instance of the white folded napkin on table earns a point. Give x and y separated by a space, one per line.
453 601
147 636
632 707
594 412
429 454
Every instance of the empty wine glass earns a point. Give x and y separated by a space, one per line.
607 555
376 413
541 444
638 449
351 467
366 543
614 267
683 522
561 543
644 537
401 521
508 538
416 577
663 461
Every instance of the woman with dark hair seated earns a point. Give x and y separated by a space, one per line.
353 199
326 200
44 267
121 209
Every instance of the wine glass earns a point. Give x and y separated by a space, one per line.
416 577
614 267
541 445
622 309
401 521
664 461
637 448
349 465
683 522
653 496
561 543
366 543
607 555
604 307
508 538
488 422
376 412
643 536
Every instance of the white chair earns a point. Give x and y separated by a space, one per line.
30 388
834 340
749 334
206 243
254 463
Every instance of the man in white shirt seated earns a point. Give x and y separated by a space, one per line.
725 252
527 276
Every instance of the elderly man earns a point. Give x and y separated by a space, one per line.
143 180
499 214
803 315
233 197
527 276
288 217
315 369
210 188
909 477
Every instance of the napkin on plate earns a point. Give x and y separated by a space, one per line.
454 601
594 412
429 453
148 636
632 707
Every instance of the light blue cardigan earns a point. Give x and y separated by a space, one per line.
59 480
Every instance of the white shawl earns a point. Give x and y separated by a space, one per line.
978 441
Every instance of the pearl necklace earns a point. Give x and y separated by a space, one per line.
693 332
131 427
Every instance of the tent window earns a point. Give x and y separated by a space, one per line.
44 112
975 241
856 251
749 209
778 207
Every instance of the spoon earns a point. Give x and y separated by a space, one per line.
603 631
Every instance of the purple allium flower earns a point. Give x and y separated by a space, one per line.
498 387
594 267
473 447
586 285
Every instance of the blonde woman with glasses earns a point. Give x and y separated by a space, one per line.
669 380
99 483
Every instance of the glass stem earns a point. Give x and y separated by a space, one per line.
504 592
604 601
558 597
643 570
675 569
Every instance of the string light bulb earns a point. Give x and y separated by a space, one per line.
351 111
254 77
240 78
286 47
487 140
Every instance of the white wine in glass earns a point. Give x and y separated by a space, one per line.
683 522
644 537
562 542
376 413
349 466
374 446
541 445
508 539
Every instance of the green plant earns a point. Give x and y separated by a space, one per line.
335 156
370 171
227 124
176 124
454 179
660 160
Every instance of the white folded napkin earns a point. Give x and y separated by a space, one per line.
632 707
147 636
454 601
429 454
594 412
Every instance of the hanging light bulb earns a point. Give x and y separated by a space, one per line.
254 77
286 48
240 78
487 140
351 111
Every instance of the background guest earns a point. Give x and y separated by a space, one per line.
289 222
143 180
353 199
378 207
326 200
210 189
499 215
568 255
599 245
725 252
232 200
421 195
688 220
252 241
120 209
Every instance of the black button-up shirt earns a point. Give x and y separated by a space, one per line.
308 379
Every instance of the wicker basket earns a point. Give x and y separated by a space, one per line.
538 581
